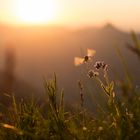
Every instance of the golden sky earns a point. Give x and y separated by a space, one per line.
123 13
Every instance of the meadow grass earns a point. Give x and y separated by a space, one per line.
119 121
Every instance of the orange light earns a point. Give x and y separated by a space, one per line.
36 11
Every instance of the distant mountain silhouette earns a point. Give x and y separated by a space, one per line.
41 51
109 26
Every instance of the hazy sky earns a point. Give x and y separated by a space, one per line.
123 13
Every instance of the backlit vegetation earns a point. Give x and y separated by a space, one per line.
118 120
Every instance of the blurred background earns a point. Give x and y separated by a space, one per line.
40 37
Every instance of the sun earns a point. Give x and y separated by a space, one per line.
36 11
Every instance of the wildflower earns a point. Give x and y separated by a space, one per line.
92 74
79 60
100 64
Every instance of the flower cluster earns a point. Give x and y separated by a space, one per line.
101 65
92 73
98 65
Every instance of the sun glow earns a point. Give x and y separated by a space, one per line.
36 11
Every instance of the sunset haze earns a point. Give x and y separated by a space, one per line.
123 14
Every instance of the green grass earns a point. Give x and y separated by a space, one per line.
120 120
